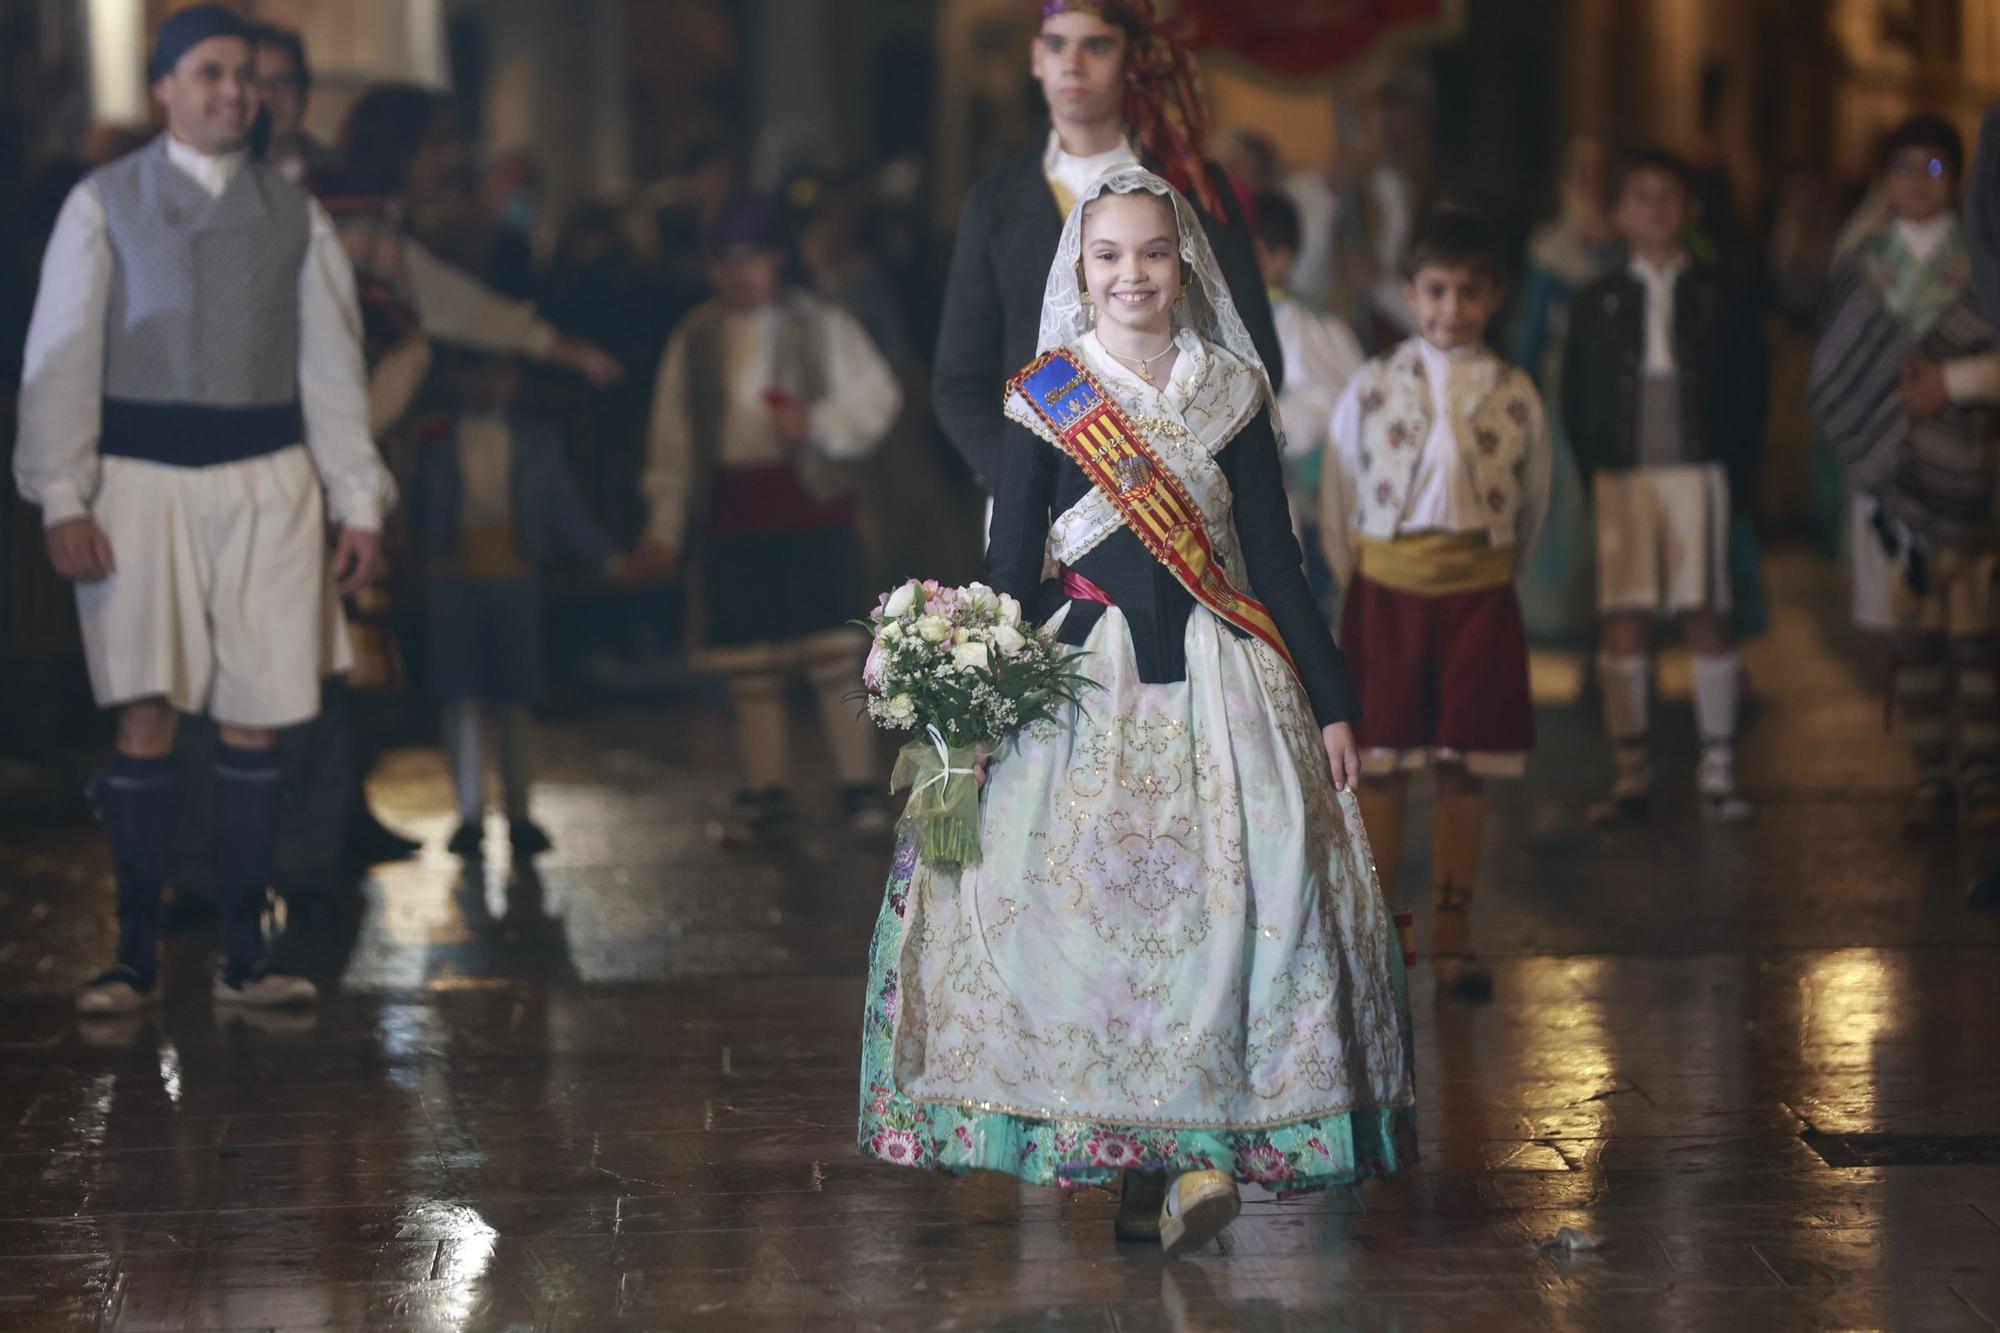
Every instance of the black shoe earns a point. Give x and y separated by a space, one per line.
470 840
865 810
528 838
1464 978
371 842
1986 889
1141 1195
116 990
758 816
264 989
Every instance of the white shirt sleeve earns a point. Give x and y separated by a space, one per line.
62 372
333 384
455 306
862 398
1339 484
1537 483
670 454
1973 379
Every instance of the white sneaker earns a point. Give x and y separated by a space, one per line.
115 991
1716 781
272 990
1199 1205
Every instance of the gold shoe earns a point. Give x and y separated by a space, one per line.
1203 1203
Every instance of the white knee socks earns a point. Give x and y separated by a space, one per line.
759 701
1627 684
850 736
468 772
1717 682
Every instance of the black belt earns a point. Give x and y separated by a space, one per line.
196 434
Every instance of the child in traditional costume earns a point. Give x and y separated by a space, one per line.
1436 488
1664 391
491 506
1903 382
1321 355
1565 254
767 402
1175 960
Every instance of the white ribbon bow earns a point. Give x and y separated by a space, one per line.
946 772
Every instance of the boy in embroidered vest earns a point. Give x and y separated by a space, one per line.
192 403
1903 382
1436 486
1664 390
767 400
492 504
1322 355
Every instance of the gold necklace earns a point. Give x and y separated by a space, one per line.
1144 365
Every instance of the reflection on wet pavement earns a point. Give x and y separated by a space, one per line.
621 1090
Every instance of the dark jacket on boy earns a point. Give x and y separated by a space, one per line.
1721 360
550 522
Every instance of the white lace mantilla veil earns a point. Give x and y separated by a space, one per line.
1210 310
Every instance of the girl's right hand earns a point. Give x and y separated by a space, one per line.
981 763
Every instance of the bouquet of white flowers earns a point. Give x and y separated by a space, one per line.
958 665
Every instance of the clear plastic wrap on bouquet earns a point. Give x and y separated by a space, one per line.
943 810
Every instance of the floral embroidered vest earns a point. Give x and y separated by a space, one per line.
1397 409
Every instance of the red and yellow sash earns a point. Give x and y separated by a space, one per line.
1095 431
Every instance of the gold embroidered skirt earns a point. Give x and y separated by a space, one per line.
1176 949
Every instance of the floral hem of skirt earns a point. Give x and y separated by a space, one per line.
1293 1158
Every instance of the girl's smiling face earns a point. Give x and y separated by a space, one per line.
1132 260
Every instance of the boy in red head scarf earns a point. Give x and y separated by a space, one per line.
1120 89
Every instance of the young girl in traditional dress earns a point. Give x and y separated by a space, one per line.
1175 960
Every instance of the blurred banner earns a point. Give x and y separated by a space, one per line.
1306 37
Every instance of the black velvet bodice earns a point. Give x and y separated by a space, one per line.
1037 482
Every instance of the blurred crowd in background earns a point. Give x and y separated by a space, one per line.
618 274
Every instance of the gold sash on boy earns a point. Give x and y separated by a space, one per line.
1095 431
1436 564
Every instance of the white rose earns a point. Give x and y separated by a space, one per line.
970 655
1010 610
902 710
961 635
903 601
981 597
1008 640
935 629
891 630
